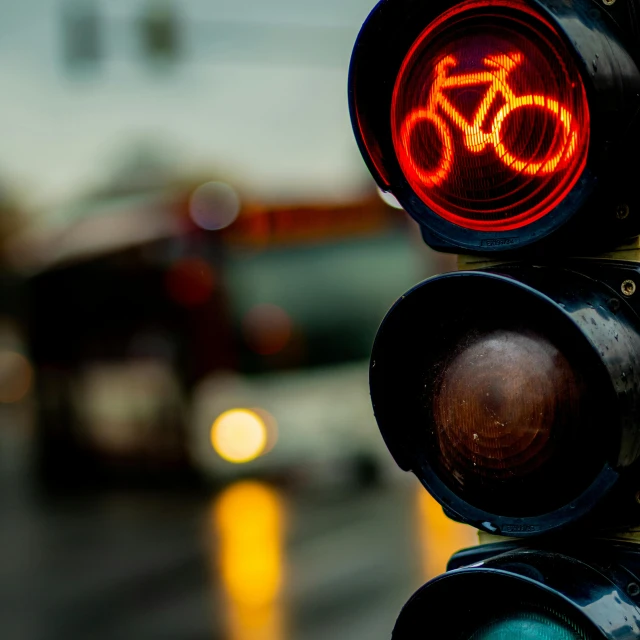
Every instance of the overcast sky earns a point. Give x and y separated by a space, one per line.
267 105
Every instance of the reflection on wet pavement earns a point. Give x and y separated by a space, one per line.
251 563
248 521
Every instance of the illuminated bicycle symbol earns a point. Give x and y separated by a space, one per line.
475 138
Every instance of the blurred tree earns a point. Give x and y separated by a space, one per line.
82 42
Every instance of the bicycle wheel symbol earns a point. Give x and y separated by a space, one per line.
475 138
441 171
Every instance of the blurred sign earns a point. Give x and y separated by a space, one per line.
81 35
160 33
261 226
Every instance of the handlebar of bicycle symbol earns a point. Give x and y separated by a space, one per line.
475 138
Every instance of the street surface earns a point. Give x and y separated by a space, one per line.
250 562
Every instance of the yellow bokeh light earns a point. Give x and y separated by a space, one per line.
439 536
248 519
239 435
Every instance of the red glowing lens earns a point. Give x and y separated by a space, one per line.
490 118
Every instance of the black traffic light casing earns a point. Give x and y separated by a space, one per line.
603 206
580 307
580 317
593 589
510 131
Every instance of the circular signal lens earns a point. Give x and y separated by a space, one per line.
490 118
503 407
526 626
510 414
508 598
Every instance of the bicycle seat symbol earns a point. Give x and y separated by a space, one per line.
476 139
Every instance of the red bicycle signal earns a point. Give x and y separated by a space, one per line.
476 138
491 129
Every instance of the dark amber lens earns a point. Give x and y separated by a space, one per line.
507 407
490 117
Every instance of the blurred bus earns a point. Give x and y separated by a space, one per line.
170 347
307 289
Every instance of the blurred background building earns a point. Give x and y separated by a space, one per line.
194 265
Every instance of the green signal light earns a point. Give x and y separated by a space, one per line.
527 626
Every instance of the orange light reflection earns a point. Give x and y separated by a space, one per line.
16 376
439 536
249 521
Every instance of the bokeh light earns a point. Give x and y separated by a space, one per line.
239 435
214 205
248 519
267 329
16 376
439 537
190 281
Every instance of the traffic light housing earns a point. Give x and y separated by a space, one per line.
511 592
524 134
512 394
510 131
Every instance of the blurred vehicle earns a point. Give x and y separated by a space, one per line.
177 335
307 310
315 424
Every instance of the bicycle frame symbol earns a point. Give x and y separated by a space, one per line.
475 138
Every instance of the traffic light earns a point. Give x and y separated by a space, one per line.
510 131
502 592
513 393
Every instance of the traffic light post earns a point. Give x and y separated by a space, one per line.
510 131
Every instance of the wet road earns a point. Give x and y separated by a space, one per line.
249 563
